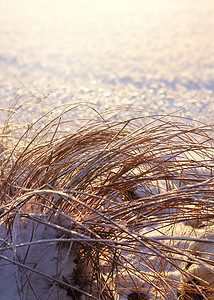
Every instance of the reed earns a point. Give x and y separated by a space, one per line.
126 197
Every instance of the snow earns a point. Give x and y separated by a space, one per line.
38 260
150 58
203 272
43 259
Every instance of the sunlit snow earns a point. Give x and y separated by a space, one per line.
153 55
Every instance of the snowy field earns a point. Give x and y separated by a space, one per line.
136 59
152 55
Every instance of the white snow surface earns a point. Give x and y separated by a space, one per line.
156 56
34 245
34 255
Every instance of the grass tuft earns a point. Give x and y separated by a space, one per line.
118 190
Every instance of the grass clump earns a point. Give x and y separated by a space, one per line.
125 197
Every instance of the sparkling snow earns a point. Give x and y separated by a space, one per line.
158 56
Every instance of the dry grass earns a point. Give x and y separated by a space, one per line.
115 182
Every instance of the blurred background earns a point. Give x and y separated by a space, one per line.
153 55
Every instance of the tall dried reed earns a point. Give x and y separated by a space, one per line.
121 188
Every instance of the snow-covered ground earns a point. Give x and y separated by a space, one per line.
38 262
151 55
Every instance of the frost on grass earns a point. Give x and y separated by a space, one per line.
107 211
